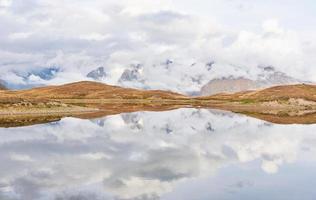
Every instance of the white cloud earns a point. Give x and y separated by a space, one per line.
20 157
94 36
20 35
95 156
80 36
5 3
272 26
270 167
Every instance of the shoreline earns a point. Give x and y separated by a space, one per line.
93 99
285 112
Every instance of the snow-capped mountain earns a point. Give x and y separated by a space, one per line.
24 79
191 77
42 73
134 74
45 73
168 74
202 78
97 74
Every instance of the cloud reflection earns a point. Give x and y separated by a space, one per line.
140 155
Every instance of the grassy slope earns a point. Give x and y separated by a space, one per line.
102 96
91 90
94 90
284 92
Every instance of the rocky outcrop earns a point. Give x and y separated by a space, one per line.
97 74
133 74
228 85
267 78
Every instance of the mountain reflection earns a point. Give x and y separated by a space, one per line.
153 155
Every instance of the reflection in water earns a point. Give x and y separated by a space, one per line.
179 154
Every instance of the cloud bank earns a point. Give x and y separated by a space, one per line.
173 46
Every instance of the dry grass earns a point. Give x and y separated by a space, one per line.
282 102
285 92
90 90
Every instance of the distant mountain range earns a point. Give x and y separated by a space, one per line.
43 73
267 77
30 77
194 79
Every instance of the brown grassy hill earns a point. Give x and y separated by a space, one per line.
89 90
302 91
280 104
285 92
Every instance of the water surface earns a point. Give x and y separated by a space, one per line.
186 154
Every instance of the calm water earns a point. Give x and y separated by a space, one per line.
182 154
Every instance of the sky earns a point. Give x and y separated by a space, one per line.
78 36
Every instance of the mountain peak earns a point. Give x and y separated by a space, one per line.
97 74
